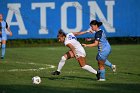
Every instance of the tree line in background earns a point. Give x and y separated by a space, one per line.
54 42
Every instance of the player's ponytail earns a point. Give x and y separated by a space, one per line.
99 24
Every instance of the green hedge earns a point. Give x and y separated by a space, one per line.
54 42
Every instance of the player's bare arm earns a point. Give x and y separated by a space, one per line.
91 45
80 33
8 29
83 32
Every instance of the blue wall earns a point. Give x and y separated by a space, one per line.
125 17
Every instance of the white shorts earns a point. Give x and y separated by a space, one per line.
81 53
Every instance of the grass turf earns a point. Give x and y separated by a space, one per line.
21 64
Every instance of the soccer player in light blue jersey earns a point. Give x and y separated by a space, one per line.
104 49
3 35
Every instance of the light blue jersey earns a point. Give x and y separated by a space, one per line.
3 26
104 47
3 36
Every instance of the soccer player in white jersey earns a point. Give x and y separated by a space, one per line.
76 51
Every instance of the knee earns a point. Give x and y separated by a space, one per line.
101 66
63 58
3 45
84 66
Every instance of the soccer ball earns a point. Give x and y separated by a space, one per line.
36 80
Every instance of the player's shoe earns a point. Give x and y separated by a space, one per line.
114 68
98 75
2 57
55 73
101 80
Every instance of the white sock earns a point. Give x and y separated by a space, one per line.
90 69
61 63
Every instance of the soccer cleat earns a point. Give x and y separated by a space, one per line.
114 68
98 75
101 80
55 73
2 57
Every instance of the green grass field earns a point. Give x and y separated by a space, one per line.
21 64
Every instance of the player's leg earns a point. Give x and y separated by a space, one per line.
106 54
3 46
101 66
82 63
0 41
65 57
109 64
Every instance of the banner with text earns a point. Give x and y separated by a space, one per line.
43 18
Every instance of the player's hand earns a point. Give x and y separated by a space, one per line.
0 33
85 45
10 33
90 31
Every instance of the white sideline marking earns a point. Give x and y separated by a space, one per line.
47 66
15 70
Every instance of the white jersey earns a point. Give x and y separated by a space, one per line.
70 38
